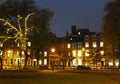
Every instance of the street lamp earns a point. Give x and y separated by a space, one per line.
53 51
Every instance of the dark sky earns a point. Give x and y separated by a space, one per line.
82 13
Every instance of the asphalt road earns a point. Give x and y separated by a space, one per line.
51 77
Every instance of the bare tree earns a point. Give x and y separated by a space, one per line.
112 28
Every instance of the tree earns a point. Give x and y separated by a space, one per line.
18 9
61 50
112 27
41 37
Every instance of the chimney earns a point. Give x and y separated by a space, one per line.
73 29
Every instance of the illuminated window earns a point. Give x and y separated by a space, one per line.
87 44
117 62
102 53
9 53
1 44
45 61
74 62
101 44
29 44
45 53
22 52
68 53
40 62
28 52
1 52
87 53
94 44
68 46
110 63
17 53
18 44
79 61
74 53
79 53
34 59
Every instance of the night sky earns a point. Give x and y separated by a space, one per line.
82 13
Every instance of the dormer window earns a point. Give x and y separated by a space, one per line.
86 37
78 33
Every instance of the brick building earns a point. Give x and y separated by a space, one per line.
85 47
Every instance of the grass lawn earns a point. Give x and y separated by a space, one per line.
55 78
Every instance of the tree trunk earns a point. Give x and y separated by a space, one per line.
1 67
26 59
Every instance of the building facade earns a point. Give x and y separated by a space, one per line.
80 47
86 48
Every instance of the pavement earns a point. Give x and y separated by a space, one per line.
101 72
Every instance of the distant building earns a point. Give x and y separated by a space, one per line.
85 47
12 56
79 47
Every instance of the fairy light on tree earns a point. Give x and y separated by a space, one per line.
20 33
21 30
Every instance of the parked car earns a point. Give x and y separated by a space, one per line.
81 67
107 67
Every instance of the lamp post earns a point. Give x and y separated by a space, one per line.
53 52
1 53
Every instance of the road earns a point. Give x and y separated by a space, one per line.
59 78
